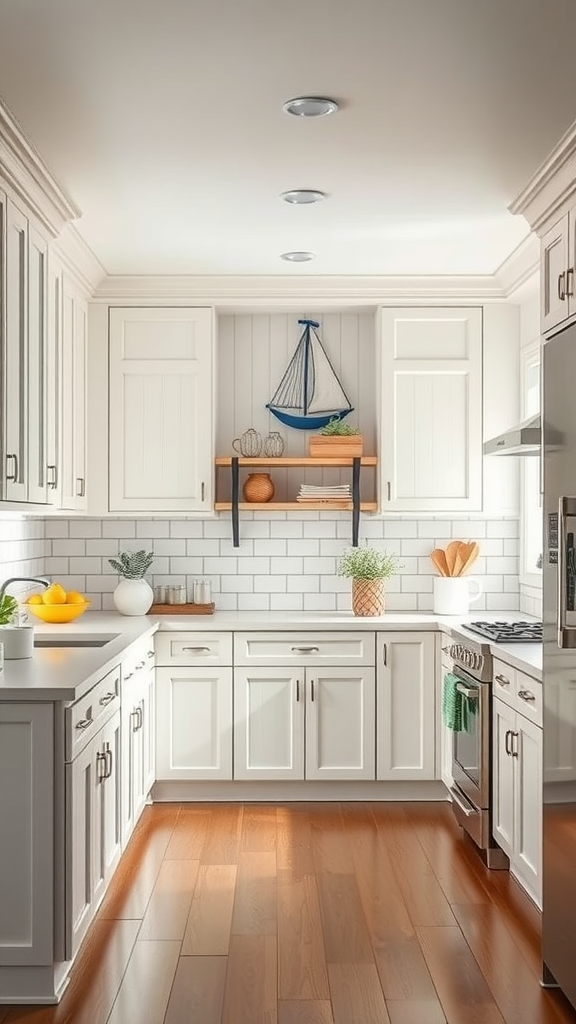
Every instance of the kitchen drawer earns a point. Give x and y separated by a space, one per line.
138 657
529 697
193 648
504 683
84 718
305 648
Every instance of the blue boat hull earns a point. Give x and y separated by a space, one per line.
306 422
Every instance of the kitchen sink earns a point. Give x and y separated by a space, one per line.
74 641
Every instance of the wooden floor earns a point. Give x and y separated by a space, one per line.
306 914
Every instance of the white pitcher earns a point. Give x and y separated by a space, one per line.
454 594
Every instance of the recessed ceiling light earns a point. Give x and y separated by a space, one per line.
301 196
298 257
310 106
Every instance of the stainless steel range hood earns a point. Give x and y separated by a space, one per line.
523 439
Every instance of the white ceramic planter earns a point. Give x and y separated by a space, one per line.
133 597
18 641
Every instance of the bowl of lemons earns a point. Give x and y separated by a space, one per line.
55 605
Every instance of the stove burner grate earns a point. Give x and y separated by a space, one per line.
508 632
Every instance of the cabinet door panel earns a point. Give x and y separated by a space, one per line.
503 724
431 387
160 409
194 723
73 401
110 744
340 724
405 706
82 847
553 264
37 365
53 369
15 356
268 724
528 806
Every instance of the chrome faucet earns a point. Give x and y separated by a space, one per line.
22 579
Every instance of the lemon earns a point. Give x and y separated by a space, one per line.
35 599
54 594
74 597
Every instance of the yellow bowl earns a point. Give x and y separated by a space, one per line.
57 612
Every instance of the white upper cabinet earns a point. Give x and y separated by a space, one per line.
16 356
161 409
37 366
73 397
556 290
431 408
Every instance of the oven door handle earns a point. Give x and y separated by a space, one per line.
468 811
466 691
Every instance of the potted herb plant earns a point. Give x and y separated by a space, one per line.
368 568
133 595
336 440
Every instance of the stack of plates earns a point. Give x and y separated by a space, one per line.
340 492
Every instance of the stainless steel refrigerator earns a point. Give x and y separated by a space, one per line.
559 662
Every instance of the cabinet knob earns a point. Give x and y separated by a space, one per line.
526 695
502 680
106 698
84 723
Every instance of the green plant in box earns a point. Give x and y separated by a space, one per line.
338 428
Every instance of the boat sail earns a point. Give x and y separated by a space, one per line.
309 394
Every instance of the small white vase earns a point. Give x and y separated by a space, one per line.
133 597
18 641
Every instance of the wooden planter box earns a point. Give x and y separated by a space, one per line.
325 447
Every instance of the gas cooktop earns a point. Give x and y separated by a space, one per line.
508 632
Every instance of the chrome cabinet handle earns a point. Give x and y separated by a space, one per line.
202 490
502 680
13 476
128 676
305 650
150 654
84 723
101 759
53 483
109 762
104 700
312 690
527 696
570 282
197 650
134 717
506 741
140 716
140 665
385 654
562 286
80 487
466 691
297 689
514 751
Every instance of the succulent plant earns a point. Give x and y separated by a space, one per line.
132 565
338 428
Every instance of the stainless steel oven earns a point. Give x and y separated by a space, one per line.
471 792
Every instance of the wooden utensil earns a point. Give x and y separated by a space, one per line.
451 552
460 559
438 558
473 552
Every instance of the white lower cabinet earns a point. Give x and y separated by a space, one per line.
304 723
517 794
93 834
405 707
193 722
138 748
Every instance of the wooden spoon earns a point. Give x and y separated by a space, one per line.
451 552
473 553
438 558
460 559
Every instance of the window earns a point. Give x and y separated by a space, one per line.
531 499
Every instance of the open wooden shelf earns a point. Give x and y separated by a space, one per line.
292 506
305 461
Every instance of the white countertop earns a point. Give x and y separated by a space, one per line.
65 674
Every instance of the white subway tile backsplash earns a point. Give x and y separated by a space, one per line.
286 566
504 602
107 548
254 566
223 566
320 602
56 566
255 528
57 527
124 529
415 547
286 602
187 564
254 602
187 528
228 602
303 584
168 546
289 528
320 528
101 584
440 533
271 584
69 547
83 565
506 565
85 527
236 584
153 528
416 584
303 546
400 528
227 549
217 528
503 528
468 529
270 547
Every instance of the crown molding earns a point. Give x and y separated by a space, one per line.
78 260
521 269
28 178
245 291
551 187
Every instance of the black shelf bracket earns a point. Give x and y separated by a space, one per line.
235 485
356 462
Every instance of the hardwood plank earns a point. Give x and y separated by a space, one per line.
332 852
403 971
435 824
223 839
346 938
255 899
356 994
198 990
169 905
461 988
305 1011
302 970
135 876
189 834
145 989
422 893
294 848
511 980
411 1011
250 994
259 829
94 981
210 919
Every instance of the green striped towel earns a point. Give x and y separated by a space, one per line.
457 709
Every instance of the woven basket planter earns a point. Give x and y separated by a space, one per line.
368 597
258 488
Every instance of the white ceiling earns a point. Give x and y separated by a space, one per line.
163 121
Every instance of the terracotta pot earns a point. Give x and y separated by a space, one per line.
368 597
258 488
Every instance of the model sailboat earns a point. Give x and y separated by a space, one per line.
309 394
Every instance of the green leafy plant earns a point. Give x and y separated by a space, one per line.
132 565
366 563
338 428
8 609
